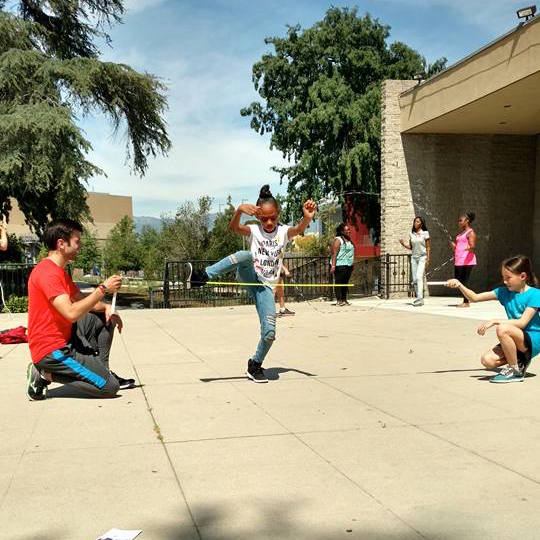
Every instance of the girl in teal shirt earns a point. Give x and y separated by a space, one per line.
519 336
342 262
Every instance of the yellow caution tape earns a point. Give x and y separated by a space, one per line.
258 284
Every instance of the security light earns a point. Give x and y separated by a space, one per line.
526 12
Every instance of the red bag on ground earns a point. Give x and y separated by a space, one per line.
14 335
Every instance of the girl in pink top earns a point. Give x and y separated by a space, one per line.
464 251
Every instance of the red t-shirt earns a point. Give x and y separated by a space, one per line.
47 329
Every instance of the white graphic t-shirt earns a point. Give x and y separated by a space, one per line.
267 250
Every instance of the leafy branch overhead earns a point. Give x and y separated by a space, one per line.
50 74
320 90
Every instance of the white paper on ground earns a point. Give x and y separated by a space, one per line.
119 534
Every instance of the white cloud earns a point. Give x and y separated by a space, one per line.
205 59
497 16
202 162
136 6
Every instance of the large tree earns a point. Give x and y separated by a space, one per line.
186 236
321 92
90 253
222 241
122 249
51 74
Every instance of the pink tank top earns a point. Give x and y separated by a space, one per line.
462 256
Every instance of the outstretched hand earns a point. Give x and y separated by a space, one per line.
250 209
483 327
453 283
310 209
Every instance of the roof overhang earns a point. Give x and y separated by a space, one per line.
496 90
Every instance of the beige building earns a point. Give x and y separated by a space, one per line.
467 140
106 211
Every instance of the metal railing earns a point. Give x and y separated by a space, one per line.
312 271
14 278
395 274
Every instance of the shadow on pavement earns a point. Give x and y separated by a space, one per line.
277 521
487 377
449 371
67 392
272 374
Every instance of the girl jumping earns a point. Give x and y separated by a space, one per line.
262 264
519 336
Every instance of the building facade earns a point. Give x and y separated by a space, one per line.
467 140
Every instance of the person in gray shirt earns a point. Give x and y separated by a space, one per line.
419 244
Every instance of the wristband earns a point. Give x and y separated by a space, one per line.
103 288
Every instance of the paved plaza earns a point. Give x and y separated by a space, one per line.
377 424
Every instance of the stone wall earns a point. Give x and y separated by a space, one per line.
396 199
443 176
536 221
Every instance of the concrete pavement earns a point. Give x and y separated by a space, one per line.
377 423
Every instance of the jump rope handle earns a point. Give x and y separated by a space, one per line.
113 303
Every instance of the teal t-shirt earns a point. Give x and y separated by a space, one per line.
345 255
516 303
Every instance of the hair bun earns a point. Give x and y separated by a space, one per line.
265 192
470 216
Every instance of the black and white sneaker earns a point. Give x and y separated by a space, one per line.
195 278
35 383
124 384
255 372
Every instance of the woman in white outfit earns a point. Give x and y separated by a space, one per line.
419 244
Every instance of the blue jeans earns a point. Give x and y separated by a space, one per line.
263 296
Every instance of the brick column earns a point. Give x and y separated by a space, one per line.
536 214
397 211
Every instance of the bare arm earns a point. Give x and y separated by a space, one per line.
471 238
309 209
428 250
235 225
80 305
98 307
3 236
405 245
469 293
520 323
336 245
74 310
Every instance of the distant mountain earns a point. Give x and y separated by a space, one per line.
155 223
146 221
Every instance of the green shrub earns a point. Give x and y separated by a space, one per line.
16 304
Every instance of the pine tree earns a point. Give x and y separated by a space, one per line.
50 73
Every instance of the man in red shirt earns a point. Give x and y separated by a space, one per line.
69 334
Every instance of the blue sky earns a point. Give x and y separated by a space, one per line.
204 50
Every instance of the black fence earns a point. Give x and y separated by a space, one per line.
395 275
386 275
14 279
310 279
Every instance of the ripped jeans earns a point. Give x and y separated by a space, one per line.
263 296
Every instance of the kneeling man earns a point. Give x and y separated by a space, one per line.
69 334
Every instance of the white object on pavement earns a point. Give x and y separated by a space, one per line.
120 534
